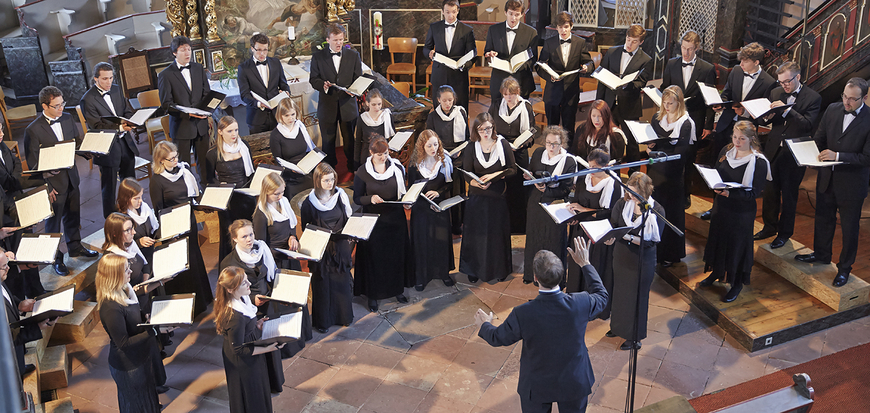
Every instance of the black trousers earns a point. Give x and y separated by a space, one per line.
827 206
328 132
109 180
781 195
67 208
267 126
568 406
565 114
200 145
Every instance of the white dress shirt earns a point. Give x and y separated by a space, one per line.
687 70
108 98
624 60
185 74
510 40
749 82
336 60
449 31
264 73
58 131
566 50
847 118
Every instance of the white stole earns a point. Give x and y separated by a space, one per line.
458 118
392 171
240 147
749 172
261 252
651 229
285 214
383 119
189 179
330 203
293 133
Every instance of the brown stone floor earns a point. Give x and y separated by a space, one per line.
369 367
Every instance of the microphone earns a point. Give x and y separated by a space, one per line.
657 154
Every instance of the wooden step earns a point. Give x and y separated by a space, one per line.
54 368
38 346
75 327
56 406
82 272
30 383
815 279
95 241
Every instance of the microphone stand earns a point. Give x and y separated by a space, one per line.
645 209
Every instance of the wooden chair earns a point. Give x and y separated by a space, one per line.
539 109
403 45
596 58
429 92
539 83
403 88
143 165
151 98
19 116
84 130
480 71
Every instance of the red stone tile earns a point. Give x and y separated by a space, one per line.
511 368
611 394
442 348
489 297
418 372
334 351
393 397
373 360
657 394
323 404
692 352
482 358
350 387
462 384
434 403
681 379
308 375
647 367
291 401
517 289
501 396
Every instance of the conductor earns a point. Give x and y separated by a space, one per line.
554 366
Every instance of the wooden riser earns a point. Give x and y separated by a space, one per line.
30 383
75 327
39 346
815 279
56 406
54 369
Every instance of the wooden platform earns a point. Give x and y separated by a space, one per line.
771 310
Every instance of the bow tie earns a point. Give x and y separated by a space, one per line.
750 75
687 64
104 93
52 122
184 67
847 113
792 94
264 63
629 53
453 25
335 53
564 41
514 31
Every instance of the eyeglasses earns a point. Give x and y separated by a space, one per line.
172 159
788 81
553 144
261 50
851 99
487 129
59 106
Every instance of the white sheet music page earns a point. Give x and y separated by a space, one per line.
33 209
710 94
62 301
359 226
559 212
596 229
37 249
169 261
359 86
288 325
313 242
399 139
97 142
216 196
806 153
611 80
141 116
175 222
257 181
520 140
643 132
175 311
654 94
310 161
60 156
457 149
292 287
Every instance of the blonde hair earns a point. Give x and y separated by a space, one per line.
229 280
271 183
110 282
161 153
284 107
224 123
420 146
675 92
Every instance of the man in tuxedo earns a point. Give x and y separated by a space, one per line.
264 76
52 127
843 135
336 110
564 53
14 307
452 39
625 101
105 99
507 39
554 366
686 71
796 122
185 83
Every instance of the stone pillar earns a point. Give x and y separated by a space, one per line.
730 29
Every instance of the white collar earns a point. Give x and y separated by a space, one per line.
445 166
695 59
549 290
331 202
512 28
497 154
394 170
260 254
244 306
285 214
146 214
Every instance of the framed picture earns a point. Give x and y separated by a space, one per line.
199 56
217 61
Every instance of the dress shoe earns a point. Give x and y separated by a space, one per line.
778 242
502 279
402 299
321 330
29 368
732 293
448 282
688 203
162 389
163 355
60 268
609 333
419 287
373 306
667 264
810 258
708 281
527 281
841 279
764 233
472 279
707 214
83 252
628 345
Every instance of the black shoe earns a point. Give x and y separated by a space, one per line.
321 330
472 279
419 287
502 279
764 233
627 345
778 242
402 299
609 333
732 293
688 203
536 284
810 258
841 279
527 281
83 252
60 268
708 281
707 214
163 355
373 306
667 264
448 282
29 368
162 389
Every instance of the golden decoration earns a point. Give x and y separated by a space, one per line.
175 15
211 20
193 21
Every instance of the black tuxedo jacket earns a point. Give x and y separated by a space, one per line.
250 81
554 365
629 97
734 90
174 91
526 39
848 180
38 134
94 107
463 42
334 100
551 54
703 72
799 122
23 334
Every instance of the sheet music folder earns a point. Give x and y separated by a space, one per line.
284 329
33 206
60 155
206 106
173 259
290 287
174 221
139 118
37 249
172 310
57 303
98 142
601 230
360 226
216 196
257 181
312 244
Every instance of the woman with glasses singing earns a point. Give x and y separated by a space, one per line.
542 232
486 237
173 184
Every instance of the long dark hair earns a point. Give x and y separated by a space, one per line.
599 137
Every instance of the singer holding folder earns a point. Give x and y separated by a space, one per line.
275 221
15 307
453 39
173 184
506 40
290 141
264 76
599 132
377 120
144 219
450 122
52 127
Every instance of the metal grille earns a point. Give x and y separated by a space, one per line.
630 12
700 16
585 12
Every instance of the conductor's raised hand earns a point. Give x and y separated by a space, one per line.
481 317
580 253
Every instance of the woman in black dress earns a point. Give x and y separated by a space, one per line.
511 118
676 130
173 184
595 195
275 221
376 121
599 131
632 283
145 223
244 364
230 162
430 229
290 141
331 282
729 253
542 233
485 253
450 123
384 266
132 348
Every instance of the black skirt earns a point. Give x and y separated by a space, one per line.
486 240
384 265
542 233
137 388
432 241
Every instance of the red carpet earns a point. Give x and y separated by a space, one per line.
840 381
